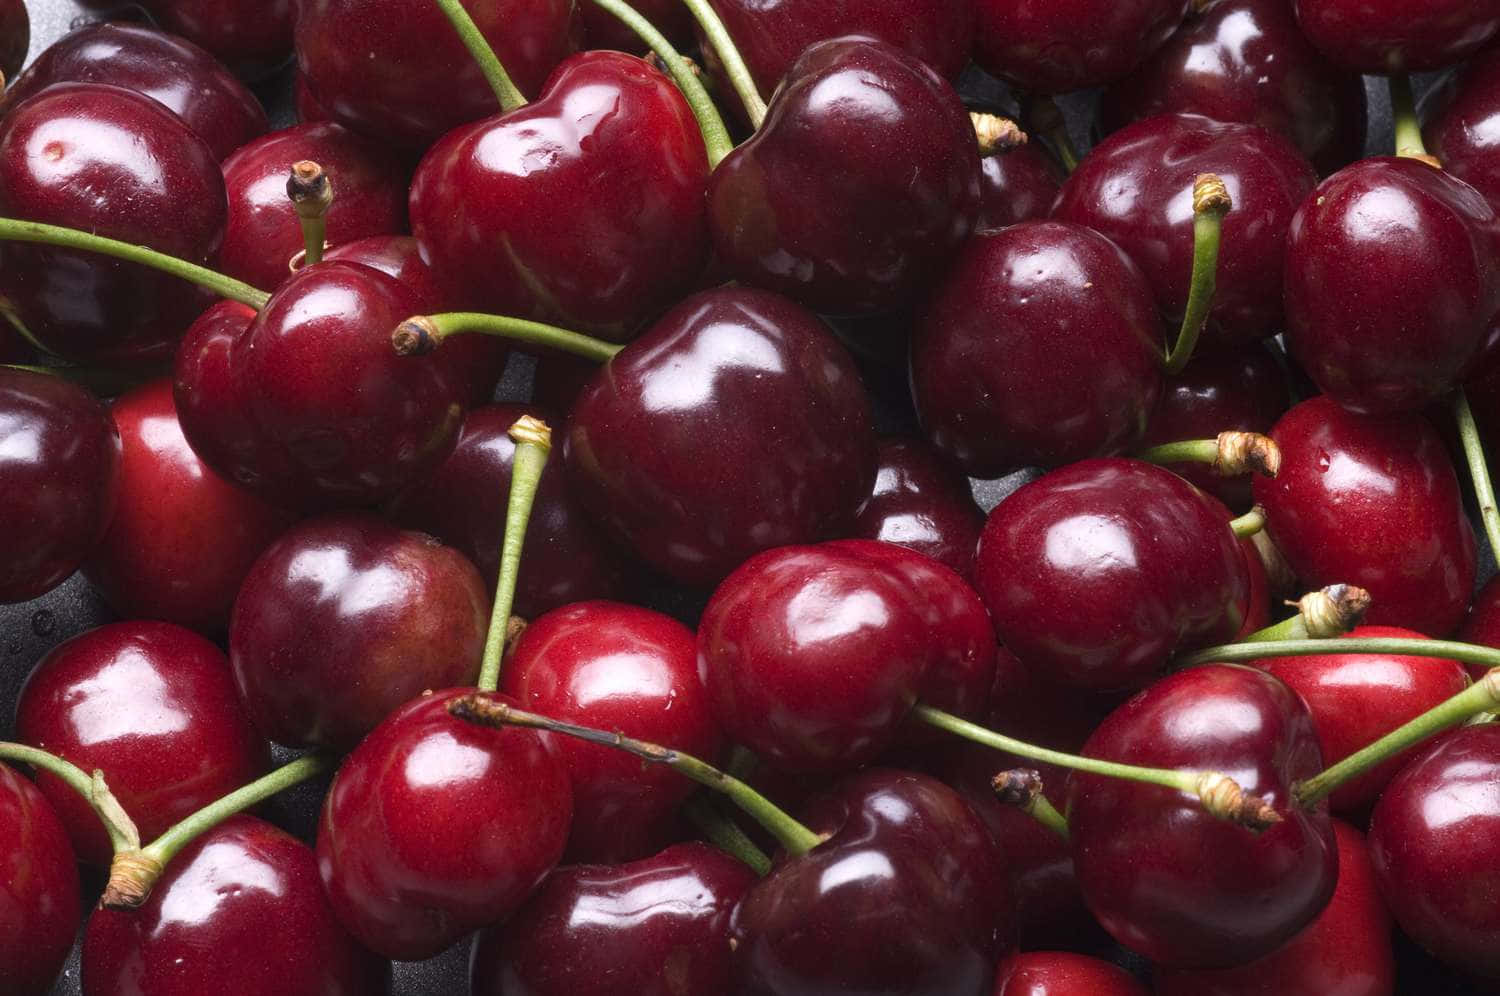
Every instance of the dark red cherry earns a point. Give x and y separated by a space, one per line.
654 927
1041 346
1016 184
263 234
171 70
1136 187
182 538
1052 973
435 827
1391 283
1070 44
38 888
1391 36
1483 624
859 186
628 670
1099 572
1372 501
118 164
735 424
1246 60
346 617
59 478
15 36
1462 114
398 72
923 504
150 704
907 896
603 30
543 240
252 37
1167 879
239 910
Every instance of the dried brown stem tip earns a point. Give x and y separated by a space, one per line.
310 189
996 134
1246 452
415 336
514 628
1210 194
1332 611
530 429
1018 786
132 874
1223 798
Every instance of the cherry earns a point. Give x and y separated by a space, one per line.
1246 60
1024 317
1045 973
1395 37
868 235
602 30
150 704
398 72
923 504
1483 624
1413 549
1460 131
435 827
170 70
61 473
118 164
1018 181
1058 47
252 36
38 888
15 36
654 927
239 910
263 233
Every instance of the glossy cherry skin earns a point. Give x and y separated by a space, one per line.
240 910
1165 878
150 704
1246 60
1462 114
1099 572
1073 44
907 896
346 617
1041 346
118 164
251 36
735 424
1483 624
1136 187
38 888
923 504
867 234
435 827
397 71
1346 950
1372 501
629 670
1433 841
182 538
61 475
658 926
1392 37
173 71
15 36
1052 973
263 234
541 238
1016 184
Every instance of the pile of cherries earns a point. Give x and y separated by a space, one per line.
682 660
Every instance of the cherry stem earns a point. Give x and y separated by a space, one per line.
730 59
1248 524
795 838
715 135
424 333
1043 117
1231 653
1482 696
479 47
1404 113
1210 204
725 834
1219 794
1322 614
1022 788
533 439
1229 454
134 873
123 835
311 193
1479 470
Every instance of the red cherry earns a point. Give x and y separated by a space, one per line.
1460 114
1016 184
252 36
38 888
603 30
1070 44
1483 624
15 36
922 504
1044 973
1391 36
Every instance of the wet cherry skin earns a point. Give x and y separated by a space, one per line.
1461 115
118 164
1167 879
1051 973
435 827
252 37
239 910
153 706
38 888
1413 549
171 70
658 926
15 36
1072 44
1025 318
1389 36
923 504
1016 184
61 474
346 617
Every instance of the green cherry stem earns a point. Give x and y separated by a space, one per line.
1248 524
479 48
533 439
424 333
1479 469
1210 204
1321 615
725 834
1404 112
794 838
123 835
1236 653
1229 454
1022 788
730 58
311 192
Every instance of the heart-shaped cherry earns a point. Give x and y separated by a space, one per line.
38 886
923 504
1389 36
1044 973
1059 47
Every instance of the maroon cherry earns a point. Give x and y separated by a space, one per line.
603 30
150 704
61 474
1024 319
867 234
1483 623
654 927
1018 181
1372 501
251 36
118 164
1073 44
38 888
1051 973
1461 114
923 504
346 617
1390 36
435 827
15 36
170 70
240 910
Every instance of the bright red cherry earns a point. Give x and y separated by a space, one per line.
923 504
252 37
1462 115
38 888
1052 973
1391 36
1070 44
15 36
